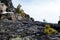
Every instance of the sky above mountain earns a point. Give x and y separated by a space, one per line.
41 9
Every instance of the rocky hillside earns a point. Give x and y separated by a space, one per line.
15 24
19 29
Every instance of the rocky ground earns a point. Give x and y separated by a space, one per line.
23 30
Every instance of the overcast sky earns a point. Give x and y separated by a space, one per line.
41 9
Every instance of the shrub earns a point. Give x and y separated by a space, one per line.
48 30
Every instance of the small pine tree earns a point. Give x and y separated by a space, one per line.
18 9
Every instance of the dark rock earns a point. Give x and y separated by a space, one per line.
9 4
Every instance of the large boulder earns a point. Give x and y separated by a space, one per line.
9 4
3 7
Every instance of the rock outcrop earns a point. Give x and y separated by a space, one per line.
9 4
16 27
